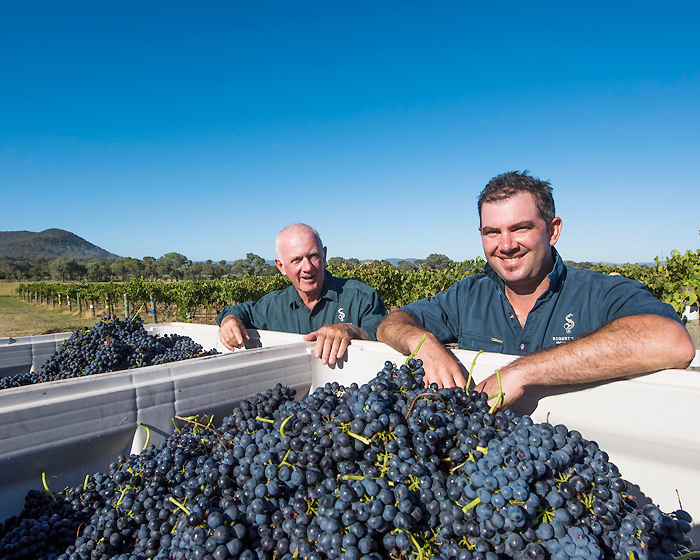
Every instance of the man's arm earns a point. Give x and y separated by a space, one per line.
232 332
403 333
233 321
626 346
367 313
332 340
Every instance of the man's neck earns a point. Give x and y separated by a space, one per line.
523 302
309 302
311 299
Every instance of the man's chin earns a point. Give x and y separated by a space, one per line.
512 275
308 287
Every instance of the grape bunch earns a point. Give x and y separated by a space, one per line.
109 346
386 470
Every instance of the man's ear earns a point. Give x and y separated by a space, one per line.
280 267
554 231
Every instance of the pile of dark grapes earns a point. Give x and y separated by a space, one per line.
109 346
388 470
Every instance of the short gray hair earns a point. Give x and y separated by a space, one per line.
278 238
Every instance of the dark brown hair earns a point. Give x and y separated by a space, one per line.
509 184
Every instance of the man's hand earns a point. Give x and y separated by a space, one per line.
403 333
332 341
440 367
232 332
511 385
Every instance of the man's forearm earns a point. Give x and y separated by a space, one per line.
627 346
401 331
357 333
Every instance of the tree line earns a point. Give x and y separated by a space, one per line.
173 266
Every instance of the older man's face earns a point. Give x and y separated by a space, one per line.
302 262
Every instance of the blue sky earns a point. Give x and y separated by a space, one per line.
205 127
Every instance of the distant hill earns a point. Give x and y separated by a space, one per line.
49 244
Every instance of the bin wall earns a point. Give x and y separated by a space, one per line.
76 427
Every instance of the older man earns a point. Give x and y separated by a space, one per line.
332 311
570 326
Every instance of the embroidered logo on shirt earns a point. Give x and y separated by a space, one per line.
341 315
569 323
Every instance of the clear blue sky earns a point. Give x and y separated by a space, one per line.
205 127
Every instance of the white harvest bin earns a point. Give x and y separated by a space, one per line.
648 424
28 353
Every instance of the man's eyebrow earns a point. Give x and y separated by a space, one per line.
489 229
523 224
512 227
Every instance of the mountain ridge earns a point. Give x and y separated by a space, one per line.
49 244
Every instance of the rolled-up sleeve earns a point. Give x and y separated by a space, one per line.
372 313
622 297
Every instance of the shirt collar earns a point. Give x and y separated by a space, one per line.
329 291
556 277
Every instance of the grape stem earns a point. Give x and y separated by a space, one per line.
284 461
361 438
148 435
413 354
475 502
426 394
284 423
178 504
498 396
415 543
46 486
687 556
471 369
203 426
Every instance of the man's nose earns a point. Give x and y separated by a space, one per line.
507 243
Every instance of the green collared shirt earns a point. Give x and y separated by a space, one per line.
342 301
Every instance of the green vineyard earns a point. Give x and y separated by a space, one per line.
675 281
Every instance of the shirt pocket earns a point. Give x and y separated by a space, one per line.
478 341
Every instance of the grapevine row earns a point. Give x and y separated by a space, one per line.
675 281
